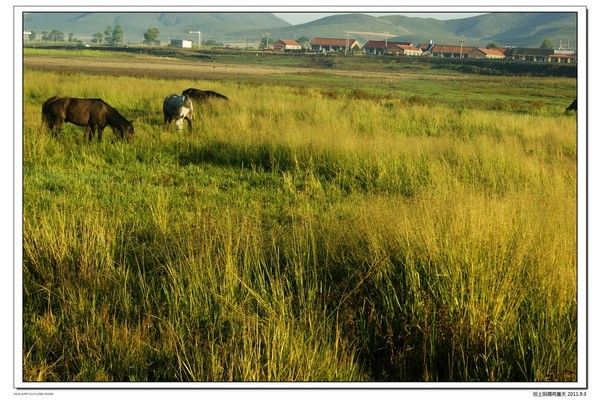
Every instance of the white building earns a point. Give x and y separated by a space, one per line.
181 44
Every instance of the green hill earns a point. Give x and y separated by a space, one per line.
175 25
514 29
332 26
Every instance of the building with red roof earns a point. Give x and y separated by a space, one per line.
486 53
326 45
283 45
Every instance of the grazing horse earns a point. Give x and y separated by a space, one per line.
573 106
178 108
93 114
202 95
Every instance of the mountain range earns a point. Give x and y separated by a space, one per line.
526 29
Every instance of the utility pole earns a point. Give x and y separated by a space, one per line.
267 36
462 39
347 44
199 37
386 36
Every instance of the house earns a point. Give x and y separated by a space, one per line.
326 45
485 53
563 58
283 45
529 54
403 50
450 51
379 47
181 44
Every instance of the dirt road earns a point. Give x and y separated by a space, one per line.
182 69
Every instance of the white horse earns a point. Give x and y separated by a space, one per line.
178 108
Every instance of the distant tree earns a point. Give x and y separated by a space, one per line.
211 42
32 35
71 37
53 36
304 41
98 37
493 45
151 36
266 42
117 35
108 34
547 44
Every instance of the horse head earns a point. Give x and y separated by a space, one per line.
129 130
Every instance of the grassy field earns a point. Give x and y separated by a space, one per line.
316 227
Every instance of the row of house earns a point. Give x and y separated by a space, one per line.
387 47
513 53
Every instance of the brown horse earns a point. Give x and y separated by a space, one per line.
93 114
572 106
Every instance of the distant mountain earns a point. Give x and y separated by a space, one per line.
332 26
174 25
507 29
517 29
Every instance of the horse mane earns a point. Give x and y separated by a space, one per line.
50 101
113 117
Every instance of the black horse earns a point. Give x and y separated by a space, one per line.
573 106
202 95
93 114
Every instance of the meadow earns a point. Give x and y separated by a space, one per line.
316 228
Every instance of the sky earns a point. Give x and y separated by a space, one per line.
301 18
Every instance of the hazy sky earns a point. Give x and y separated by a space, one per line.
300 18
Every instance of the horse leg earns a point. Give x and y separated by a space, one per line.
100 129
49 123
54 126
189 121
89 132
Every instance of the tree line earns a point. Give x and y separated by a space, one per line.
53 36
112 36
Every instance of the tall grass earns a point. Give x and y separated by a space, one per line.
298 235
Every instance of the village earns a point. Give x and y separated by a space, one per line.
386 47
350 46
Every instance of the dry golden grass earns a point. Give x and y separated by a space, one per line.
298 234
